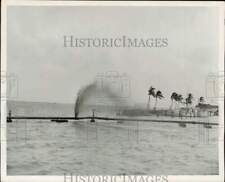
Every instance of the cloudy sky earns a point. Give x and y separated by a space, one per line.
47 71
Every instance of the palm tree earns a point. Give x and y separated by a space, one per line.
173 97
158 95
151 92
189 99
179 99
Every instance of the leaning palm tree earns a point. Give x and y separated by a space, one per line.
176 98
189 99
151 92
179 99
173 98
158 95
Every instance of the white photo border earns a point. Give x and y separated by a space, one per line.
180 178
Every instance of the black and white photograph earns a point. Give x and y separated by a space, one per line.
113 90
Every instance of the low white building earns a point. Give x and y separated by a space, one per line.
207 110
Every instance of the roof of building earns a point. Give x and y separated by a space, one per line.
206 106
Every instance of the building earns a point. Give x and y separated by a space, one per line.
207 110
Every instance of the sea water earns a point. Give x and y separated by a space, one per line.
38 147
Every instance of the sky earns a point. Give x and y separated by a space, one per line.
47 71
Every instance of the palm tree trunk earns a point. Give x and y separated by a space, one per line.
175 105
155 103
171 105
148 105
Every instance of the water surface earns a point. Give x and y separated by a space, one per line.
36 147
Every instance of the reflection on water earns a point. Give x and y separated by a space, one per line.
113 148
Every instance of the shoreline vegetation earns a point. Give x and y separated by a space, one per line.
181 112
175 109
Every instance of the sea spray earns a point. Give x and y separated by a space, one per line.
93 91
83 94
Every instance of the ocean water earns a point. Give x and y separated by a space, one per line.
37 147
